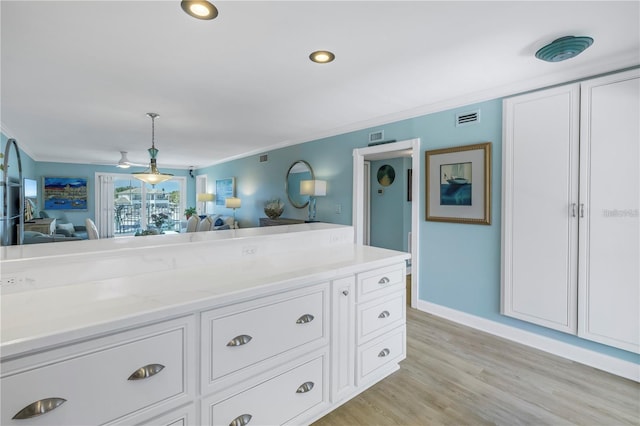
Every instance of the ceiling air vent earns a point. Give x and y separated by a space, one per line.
466 118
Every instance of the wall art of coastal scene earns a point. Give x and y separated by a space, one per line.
65 193
455 184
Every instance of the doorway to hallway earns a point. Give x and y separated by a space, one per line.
361 202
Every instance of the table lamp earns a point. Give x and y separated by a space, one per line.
204 198
233 203
313 188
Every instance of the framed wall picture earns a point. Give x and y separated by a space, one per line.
64 193
459 184
225 188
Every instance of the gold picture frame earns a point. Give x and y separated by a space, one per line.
458 184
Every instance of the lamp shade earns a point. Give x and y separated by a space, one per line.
203 197
232 203
313 187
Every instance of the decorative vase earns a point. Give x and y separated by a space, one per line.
273 208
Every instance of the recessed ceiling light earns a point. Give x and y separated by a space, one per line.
564 48
322 56
200 9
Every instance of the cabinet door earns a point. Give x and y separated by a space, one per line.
540 195
342 336
609 223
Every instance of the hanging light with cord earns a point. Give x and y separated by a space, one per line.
152 175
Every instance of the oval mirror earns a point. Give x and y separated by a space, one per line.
299 171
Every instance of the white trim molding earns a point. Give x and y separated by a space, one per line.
359 155
619 367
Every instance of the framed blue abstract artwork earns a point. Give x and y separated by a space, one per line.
459 184
225 188
64 193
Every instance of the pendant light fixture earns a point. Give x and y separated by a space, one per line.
152 176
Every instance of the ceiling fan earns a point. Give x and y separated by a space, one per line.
124 162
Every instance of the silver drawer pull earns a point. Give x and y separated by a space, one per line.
384 353
345 292
384 280
305 387
146 372
243 339
39 408
241 420
305 319
384 314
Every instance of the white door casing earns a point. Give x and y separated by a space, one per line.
359 156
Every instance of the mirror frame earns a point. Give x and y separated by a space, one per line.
286 184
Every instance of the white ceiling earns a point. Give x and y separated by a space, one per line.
78 77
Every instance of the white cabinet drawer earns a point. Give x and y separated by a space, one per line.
184 416
95 383
274 401
372 284
382 352
246 334
377 317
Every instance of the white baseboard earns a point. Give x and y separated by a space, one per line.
626 369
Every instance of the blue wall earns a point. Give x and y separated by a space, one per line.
468 281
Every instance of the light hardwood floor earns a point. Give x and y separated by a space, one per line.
455 375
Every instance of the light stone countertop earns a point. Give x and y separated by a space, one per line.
43 316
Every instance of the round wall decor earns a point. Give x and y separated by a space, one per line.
386 175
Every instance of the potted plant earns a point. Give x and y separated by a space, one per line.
189 211
159 219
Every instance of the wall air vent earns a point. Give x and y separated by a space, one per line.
465 118
264 158
376 136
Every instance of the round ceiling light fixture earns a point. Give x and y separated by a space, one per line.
564 48
322 56
200 9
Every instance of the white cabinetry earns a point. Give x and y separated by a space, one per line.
540 199
343 337
609 277
251 357
117 380
380 323
570 209
255 346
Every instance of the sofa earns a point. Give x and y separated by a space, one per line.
64 226
33 237
214 222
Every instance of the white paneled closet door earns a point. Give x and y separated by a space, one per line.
540 201
609 277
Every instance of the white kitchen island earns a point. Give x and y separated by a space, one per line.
257 326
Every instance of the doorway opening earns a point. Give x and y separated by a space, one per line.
361 197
